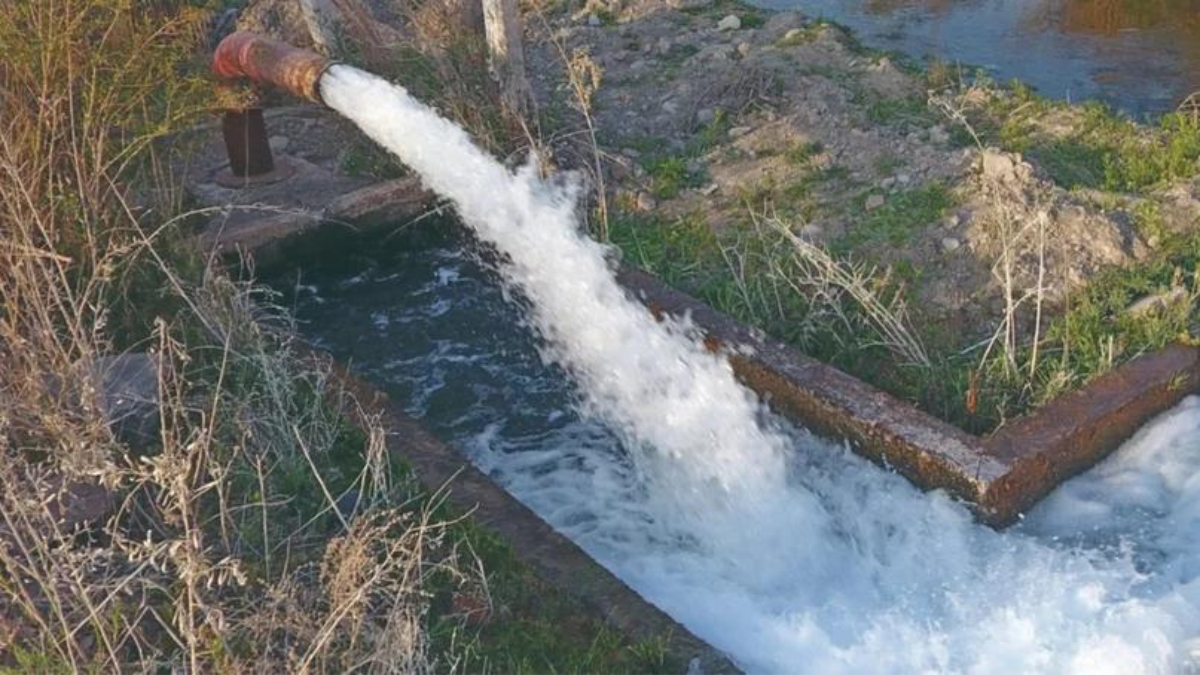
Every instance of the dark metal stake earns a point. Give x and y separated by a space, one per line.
246 142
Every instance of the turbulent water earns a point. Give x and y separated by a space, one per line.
790 554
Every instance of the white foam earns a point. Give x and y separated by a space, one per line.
790 554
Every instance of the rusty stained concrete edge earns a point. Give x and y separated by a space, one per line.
999 477
397 199
551 556
1076 430
926 450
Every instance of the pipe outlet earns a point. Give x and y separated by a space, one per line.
266 61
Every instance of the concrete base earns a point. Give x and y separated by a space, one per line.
285 168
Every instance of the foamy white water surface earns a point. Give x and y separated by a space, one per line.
792 555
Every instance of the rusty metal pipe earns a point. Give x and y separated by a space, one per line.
266 61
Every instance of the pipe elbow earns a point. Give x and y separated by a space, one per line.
266 61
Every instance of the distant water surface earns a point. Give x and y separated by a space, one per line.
1140 56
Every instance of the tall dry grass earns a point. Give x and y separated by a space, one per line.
253 529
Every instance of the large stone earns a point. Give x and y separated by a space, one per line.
127 394
999 166
323 25
730 22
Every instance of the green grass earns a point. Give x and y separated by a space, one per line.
799 153
902 215
670 175
538 628
363 158
909 111
1103 150
1092 336
752 19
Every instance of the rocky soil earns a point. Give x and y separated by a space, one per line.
778 114
796 119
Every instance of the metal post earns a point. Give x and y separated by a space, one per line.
247 143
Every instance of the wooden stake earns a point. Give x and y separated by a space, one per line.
502 21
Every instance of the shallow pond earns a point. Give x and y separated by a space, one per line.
1141 56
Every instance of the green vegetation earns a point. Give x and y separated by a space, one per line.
907 111
363 158
757 275
1101 149
670 175
902 215
259 523
541 629
799 153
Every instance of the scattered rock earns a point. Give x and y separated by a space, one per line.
794 36
743 49
903 178
1157 303
951 221
738 132
279 144
128 394
730 22
811 231
710 189
646 202
690 4
950 244
999 166
939 135
874 202
593 20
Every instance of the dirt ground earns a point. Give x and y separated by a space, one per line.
803 122
715 111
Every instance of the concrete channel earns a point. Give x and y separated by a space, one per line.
999 476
